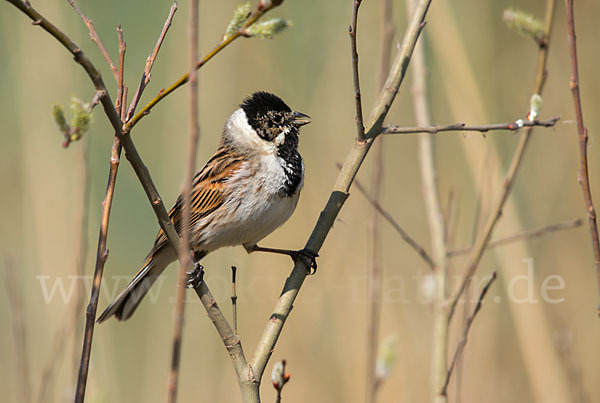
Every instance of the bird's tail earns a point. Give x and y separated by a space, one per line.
127 302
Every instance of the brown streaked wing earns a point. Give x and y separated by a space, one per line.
207 191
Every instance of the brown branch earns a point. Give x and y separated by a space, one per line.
185 246
512 126
583 177
360 128
465 333
150 62
95 38
534 233
496 211
255 16
374 269
102 251
388 217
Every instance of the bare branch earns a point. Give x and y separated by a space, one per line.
150 62
95 38
465 333
462 127
388 217
583 177
534 233
185 246
360 128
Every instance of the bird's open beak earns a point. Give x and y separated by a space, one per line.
300 119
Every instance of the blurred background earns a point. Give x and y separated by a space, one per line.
479 71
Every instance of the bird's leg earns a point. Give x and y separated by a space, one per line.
308 256
196 275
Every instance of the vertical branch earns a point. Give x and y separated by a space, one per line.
374 273
582 131
360 128
102 251
185 245
435 218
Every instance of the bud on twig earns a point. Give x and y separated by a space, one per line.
240 16
278 376
535 107
386 357
268 29
524 24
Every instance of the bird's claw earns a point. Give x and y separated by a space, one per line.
195 276
309 258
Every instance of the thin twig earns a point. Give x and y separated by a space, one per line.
95 38
534 233
150 62
374 268
15 302
186 245
496 212
583 177
462 127
102 251
255 16
360 128
388 217
465 333
234 298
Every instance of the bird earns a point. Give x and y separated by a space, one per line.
249 188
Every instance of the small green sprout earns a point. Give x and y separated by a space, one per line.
240 16
524 23
268 29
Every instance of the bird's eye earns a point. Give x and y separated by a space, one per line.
277 119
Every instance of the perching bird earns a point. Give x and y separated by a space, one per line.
244 192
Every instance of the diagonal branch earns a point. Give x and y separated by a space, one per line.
339 194
261 10
95 38
584 179
462 127
521 236
388 217
463 338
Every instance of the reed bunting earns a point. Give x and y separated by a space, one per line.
244 192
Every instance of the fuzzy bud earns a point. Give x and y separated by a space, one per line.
58 113
268 29
278 375
524 23
81 118
535 107
240 16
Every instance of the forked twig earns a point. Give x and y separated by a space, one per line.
584 179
